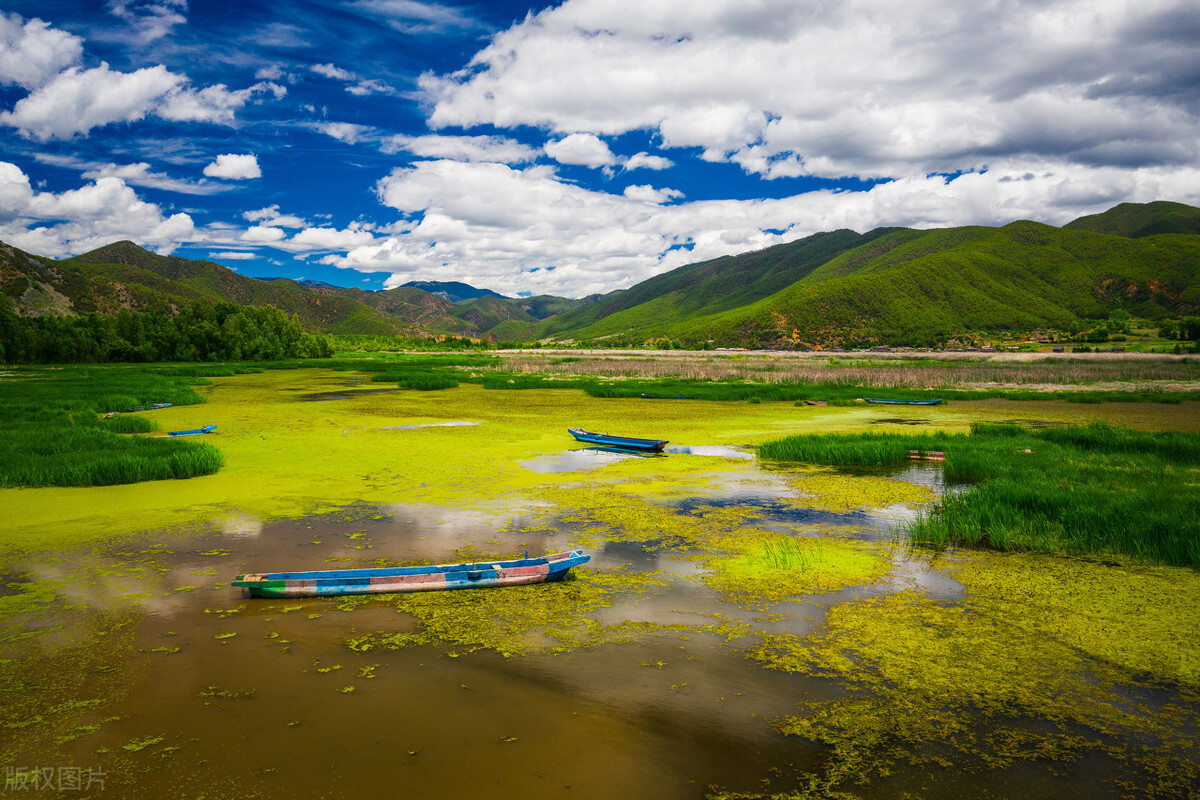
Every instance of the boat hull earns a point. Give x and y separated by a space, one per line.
196 432
883 401
412 579
621 442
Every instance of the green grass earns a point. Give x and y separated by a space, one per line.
786 553
1082 490
54 434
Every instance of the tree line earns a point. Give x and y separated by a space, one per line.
201 332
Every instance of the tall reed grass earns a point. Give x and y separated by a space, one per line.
1087 490
54 433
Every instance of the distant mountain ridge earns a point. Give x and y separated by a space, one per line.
887 286
904 286
124 275
453 291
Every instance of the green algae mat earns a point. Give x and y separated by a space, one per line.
741 631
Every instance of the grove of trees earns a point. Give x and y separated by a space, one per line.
201 332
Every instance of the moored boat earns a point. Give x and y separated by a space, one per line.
886 401
195 432
478 575
622 442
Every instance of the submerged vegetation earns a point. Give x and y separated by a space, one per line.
1036 664
1093 489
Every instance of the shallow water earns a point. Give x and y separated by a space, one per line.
144 663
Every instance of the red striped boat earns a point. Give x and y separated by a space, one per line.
478 575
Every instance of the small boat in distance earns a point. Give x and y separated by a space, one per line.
480 575
621 442
196 432
886 401
816 402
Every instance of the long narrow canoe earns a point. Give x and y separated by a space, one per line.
623 442
480 575
885 401
196 432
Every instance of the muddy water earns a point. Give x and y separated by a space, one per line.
264 696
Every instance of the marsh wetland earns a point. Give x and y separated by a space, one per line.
746 627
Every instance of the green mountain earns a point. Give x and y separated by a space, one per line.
1136 220
887 286
707 288
901 286
454 291
123 275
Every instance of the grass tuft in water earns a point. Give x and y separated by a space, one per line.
55 433
1083 490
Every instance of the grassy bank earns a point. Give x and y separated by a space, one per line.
55 433
1092 489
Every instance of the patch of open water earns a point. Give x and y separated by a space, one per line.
255 695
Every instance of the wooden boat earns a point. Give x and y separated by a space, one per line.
885 401
621 442
816 402
196 432
478 575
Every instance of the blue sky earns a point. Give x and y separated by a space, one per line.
575 147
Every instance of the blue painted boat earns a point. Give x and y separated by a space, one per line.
196 432
622 442
884 401
478 575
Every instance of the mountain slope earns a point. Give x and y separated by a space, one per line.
904 286
1136 220
123 275
708 287
453 291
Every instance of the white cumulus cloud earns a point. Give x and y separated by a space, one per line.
234 166
584 149
77 100
647 161
32 52
850 88
262 234
500 149
648 194
82 219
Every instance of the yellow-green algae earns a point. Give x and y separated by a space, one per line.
1034 662
550 617
756 572
285 457
830 490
